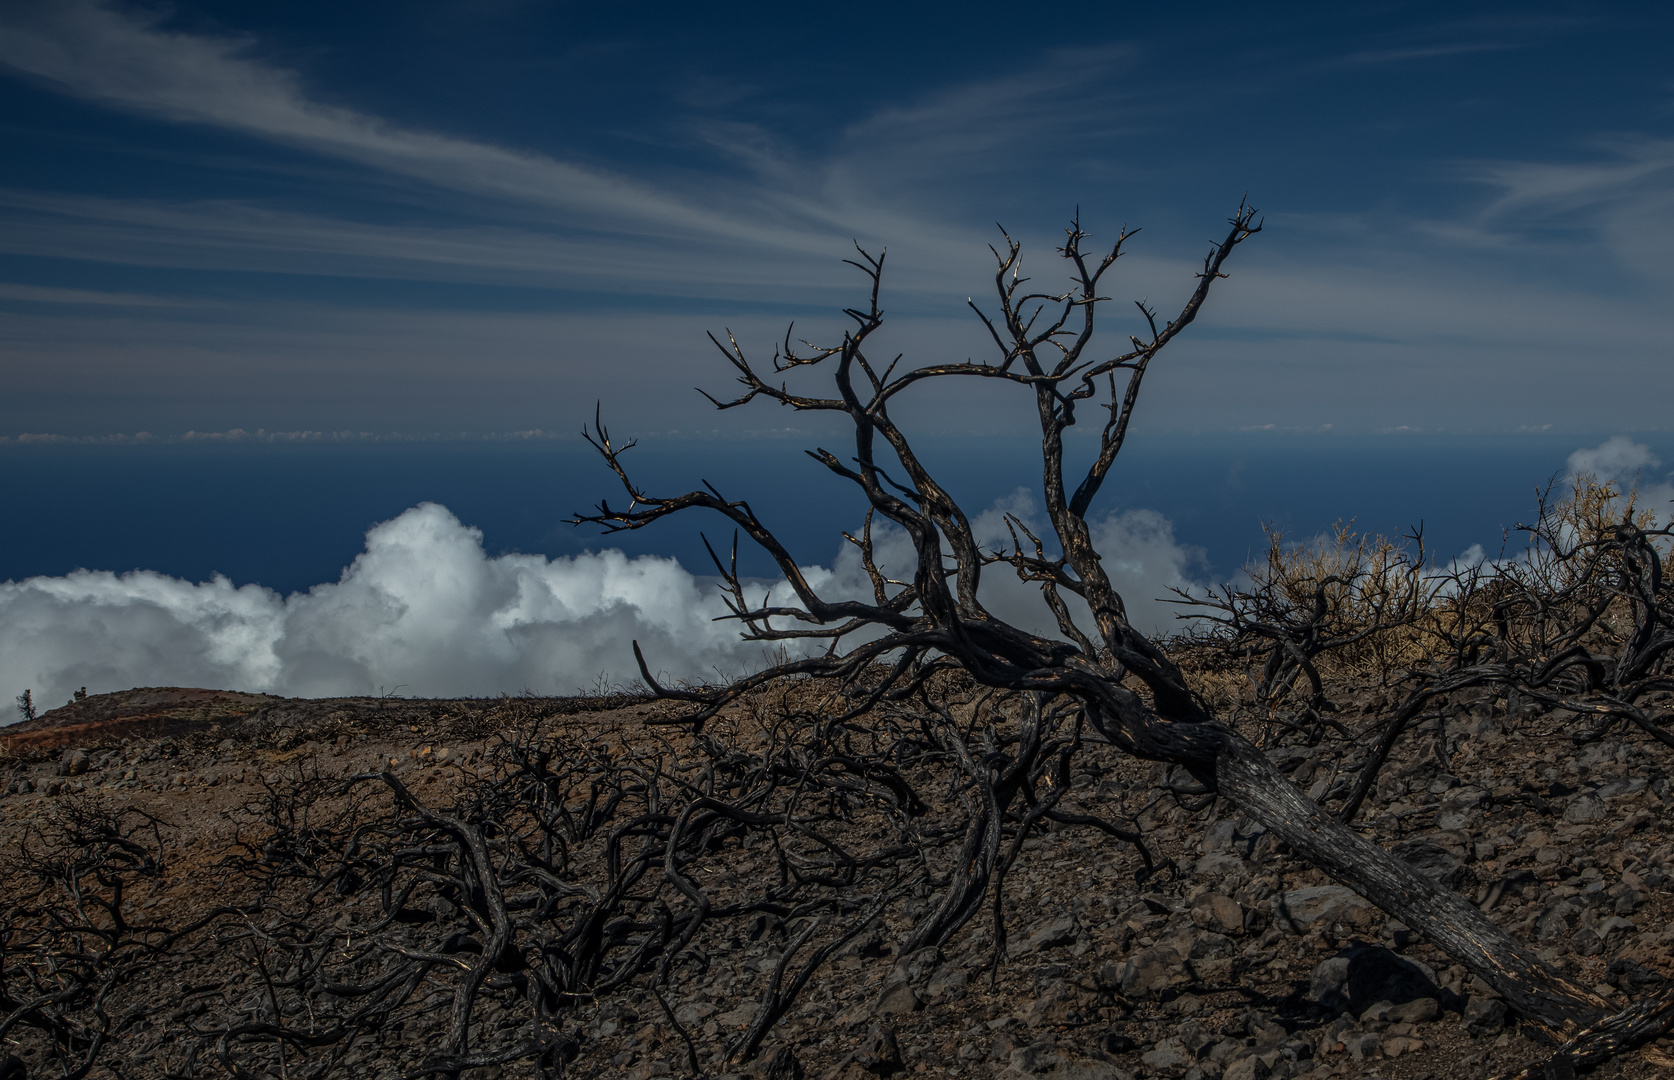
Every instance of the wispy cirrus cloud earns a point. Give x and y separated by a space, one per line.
1614 199
1407 54
874 183
45 294
243 235
129 60
1622 169
770 223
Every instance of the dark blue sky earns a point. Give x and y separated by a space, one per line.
482 217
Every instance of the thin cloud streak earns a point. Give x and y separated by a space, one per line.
118 58
44 294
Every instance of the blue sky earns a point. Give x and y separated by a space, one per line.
484 217
471 220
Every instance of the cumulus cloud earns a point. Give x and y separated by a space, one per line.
1631 467
423 608
1141 556
426 609
1617 458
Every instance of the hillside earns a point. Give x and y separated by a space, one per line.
1228 960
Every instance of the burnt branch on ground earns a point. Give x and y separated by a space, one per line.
577 864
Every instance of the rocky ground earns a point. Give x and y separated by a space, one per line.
1234 961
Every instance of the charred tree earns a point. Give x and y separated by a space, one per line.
1119 682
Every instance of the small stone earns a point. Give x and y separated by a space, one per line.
1318 907
1328 983
918 967
1483 1016
1222 866
1401 1044
1212 911
1417 1011
1585 807
1185 1005
1246 1068
946 983
693 1011
1633 977
1368 974
879 1052
1034 1058
1615 924
1455 814
897 999
783 1066
1170 1054
1363 1045
1377 1016
1207 946
1432 860
1149 972
1557 918
1048 934
1114 1042
73 762
1587 942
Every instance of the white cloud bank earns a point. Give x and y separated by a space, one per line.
426 609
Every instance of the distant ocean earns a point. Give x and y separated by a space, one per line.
290 516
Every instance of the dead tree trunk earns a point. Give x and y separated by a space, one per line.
936 619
